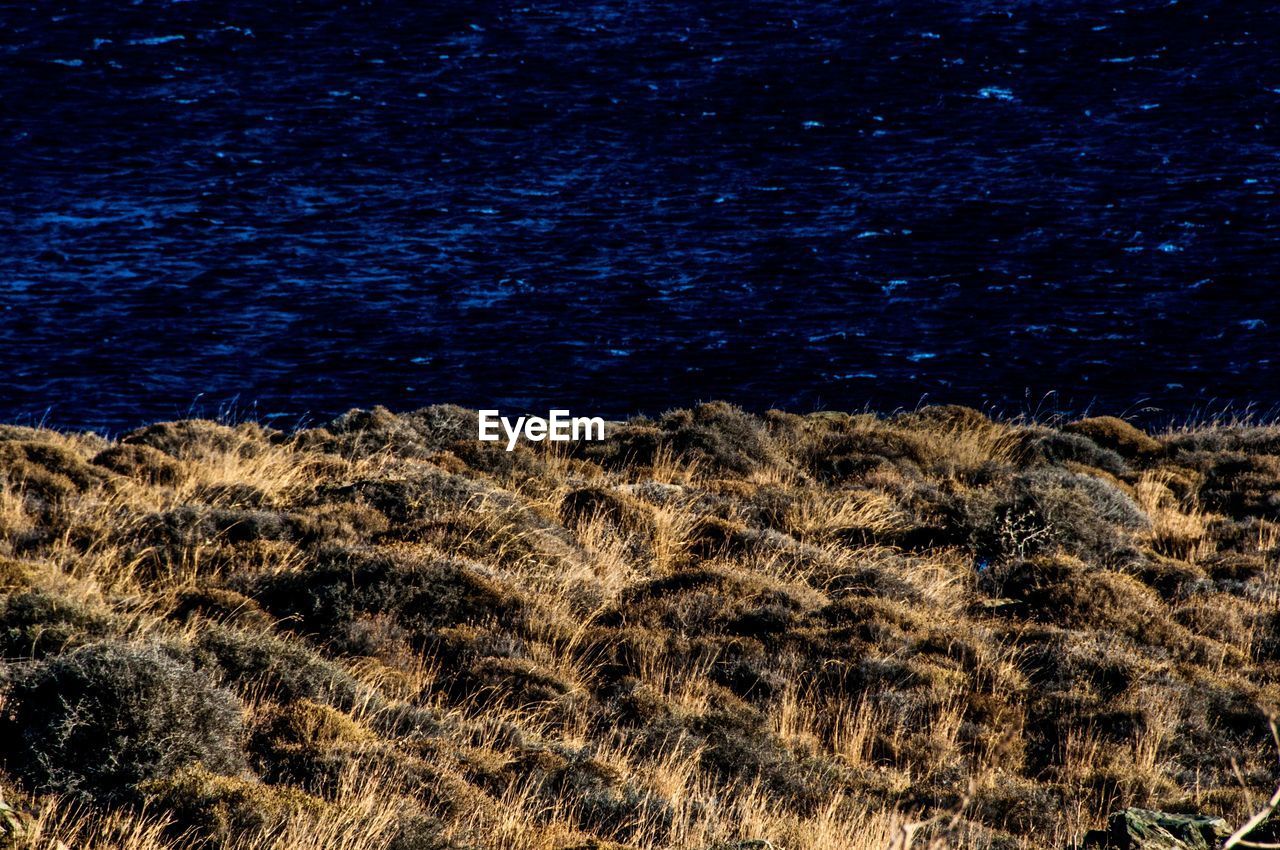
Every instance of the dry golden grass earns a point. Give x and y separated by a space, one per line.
1176 530
812 633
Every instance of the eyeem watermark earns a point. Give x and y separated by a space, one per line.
558 427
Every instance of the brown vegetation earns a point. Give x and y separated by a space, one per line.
711 629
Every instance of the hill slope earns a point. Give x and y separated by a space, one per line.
711 627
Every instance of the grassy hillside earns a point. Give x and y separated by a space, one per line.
711 628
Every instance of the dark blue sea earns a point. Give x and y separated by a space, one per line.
283 210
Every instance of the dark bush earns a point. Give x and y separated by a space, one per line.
1115 434
216 603
1057 447
631 444
1172 578
748 669
839 456
260 664
1068 593
713 535
343 522
710 601
306 744
719 437
45 470
197 437
605 800
37 622
1021 805
1244 486
215 538
426 494
1050 508
419 434
517 681
438 432
103 719
419 832
225 811
613 506
191 525
421 595
947 416
1263 440
1221 617
740 748
144 463
1236 566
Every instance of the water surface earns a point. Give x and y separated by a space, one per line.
627 206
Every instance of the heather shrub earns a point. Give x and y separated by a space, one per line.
445 434
1237 568
428 493
740 748
260 664
306 744
421 832
39 621
103 719
945 416
193 538
193 438
514 680
418 434
709 600
16 575
1170 577
718 436
45 470
713 535
1050 508
421 595
1220 616
1067 592
844 455
225 811
606 802
218 603
1115 434
1021 806
1263 440
1244 486
141 462
1053 447
341 522
22 433
511 538
635 443
613 506
191 525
